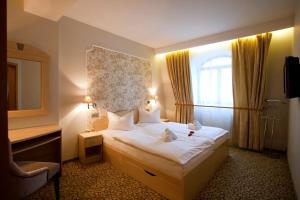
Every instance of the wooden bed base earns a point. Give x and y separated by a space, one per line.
172 188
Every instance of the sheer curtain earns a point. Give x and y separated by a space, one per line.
211 73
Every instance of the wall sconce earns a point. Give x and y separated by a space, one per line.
89 102
153 97
152 91
153 100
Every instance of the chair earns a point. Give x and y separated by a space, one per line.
28 176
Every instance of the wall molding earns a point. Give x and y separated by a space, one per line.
273 25
91 47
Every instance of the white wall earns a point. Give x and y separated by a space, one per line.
74 39
294 117
43 34
166 97
280 47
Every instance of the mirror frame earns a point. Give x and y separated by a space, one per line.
28 52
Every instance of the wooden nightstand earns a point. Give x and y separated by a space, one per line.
90 147
164 120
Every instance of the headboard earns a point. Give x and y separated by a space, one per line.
116 82
101 123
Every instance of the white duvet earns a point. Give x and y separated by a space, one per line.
147 137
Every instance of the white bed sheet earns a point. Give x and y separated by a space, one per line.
166 166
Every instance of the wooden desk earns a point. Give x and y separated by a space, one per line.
41 143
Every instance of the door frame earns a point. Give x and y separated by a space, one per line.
5 188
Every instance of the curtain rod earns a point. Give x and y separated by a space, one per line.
226 107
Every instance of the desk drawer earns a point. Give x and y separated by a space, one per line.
93 141
45 148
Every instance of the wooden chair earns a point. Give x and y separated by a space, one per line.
29 176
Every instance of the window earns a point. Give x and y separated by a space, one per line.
212 77
211 69
214 82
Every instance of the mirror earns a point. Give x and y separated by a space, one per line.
23 84
26 84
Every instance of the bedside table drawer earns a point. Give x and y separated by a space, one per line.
93 141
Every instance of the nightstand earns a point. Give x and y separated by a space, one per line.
90 147
164 120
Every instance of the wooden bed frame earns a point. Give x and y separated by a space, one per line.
173 188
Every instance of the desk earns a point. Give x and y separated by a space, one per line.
41 143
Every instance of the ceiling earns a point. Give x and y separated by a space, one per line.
50 9
159 23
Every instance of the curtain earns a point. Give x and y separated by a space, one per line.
178 65
211 70
249 76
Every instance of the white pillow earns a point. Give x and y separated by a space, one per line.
149 117
124 123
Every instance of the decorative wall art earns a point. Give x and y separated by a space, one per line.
117 81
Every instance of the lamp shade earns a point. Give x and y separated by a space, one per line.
87 99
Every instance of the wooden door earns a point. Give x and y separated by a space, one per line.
12 86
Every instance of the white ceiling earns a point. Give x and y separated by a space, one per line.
51 9
159 23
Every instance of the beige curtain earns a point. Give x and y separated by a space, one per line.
248 77
179 72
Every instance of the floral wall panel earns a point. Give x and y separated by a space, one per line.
117 81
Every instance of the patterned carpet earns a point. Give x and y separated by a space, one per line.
246 175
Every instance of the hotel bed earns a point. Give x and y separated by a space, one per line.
177 169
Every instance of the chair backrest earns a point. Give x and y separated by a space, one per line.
15 170
16 175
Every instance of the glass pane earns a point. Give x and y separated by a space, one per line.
217 62
208 87
226 87
211 77
24 84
